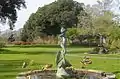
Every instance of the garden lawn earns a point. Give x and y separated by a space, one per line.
12 58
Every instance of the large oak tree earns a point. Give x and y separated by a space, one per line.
49 18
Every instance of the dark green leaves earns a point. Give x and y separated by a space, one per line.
8 11
49 18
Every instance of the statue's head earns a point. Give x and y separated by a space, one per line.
63 30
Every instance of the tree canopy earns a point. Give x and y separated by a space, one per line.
49 18
8 11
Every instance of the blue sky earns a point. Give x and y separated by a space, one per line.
32 6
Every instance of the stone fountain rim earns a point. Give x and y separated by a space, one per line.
54 70
25 74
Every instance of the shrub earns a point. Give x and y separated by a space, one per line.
46 40
2 44
21 43
72 32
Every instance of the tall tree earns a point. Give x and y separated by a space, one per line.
8 11
49 18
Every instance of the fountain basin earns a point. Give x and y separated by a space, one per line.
77 74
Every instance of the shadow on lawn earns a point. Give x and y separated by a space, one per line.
47 46
6 51
116 72
8 76
33 46
9 68
11 64
15 65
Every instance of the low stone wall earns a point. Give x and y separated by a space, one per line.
51 74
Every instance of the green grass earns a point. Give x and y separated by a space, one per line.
11 59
